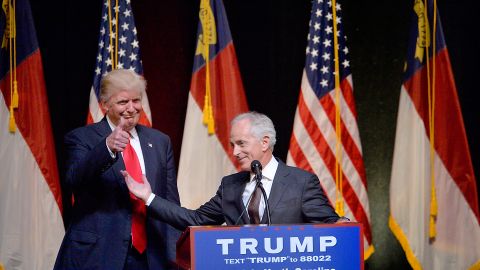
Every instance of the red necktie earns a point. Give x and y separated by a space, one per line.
139 235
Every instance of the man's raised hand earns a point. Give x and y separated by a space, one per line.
119 138
140 190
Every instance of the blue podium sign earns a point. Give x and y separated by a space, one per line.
283 247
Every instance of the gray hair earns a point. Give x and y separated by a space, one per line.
120 80
260 126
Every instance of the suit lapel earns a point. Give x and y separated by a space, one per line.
102 128
280 183
239 188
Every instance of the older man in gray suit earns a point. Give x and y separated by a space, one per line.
294 195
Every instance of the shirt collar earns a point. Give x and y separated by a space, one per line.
269 171
133 133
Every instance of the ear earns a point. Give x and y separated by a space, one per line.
265 143
105 105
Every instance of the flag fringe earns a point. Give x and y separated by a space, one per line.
475 266
370 250
402 238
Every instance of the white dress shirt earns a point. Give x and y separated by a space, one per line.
268 173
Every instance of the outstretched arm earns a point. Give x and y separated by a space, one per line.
179 217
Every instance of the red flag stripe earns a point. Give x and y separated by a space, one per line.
33 105
328 156
320 110
327 182
315 126
309 105
301 160
307 149
349 146
226 104
347 92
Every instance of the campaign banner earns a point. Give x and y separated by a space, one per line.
285 247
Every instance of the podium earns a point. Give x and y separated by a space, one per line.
275 247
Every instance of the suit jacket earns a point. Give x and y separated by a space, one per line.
296 197
99 234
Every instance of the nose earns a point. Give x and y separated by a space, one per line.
236 150
130 107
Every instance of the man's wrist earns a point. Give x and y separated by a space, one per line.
112 154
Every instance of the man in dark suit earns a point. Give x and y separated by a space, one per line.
294 195
110 228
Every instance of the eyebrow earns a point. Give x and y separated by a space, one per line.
128 99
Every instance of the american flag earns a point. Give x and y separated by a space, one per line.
116 51
324 114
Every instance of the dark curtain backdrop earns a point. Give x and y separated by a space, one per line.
270 39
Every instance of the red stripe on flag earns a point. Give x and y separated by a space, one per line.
33 118
228 97
301 160
348 144
89 118
329 158
144 119
450 138
347 92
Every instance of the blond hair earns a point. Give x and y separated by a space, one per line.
121 80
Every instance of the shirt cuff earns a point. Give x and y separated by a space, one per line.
150 199
343 219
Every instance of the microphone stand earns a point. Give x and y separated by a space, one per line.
256 168
248 202
267 206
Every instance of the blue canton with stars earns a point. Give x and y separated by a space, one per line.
128 47
319 64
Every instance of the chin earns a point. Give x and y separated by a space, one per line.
245 168
130 125
133 121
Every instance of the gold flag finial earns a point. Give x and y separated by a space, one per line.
207 38
423 38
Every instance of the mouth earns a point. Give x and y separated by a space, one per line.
242 159
129 116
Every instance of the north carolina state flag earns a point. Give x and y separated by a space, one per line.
31 226
433 195
216 96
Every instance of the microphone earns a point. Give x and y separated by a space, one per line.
256 168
